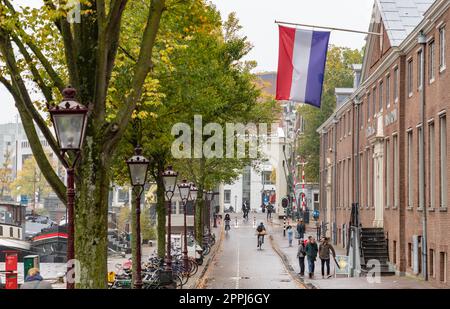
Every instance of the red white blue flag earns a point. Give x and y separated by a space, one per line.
301 65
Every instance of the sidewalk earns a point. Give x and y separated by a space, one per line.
289 257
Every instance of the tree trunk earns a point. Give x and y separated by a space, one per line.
199 214
161 215
91 215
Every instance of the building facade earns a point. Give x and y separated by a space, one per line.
385 147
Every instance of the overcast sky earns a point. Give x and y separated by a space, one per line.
257 19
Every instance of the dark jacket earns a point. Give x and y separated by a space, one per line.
301 250
324 251
311 250
301 229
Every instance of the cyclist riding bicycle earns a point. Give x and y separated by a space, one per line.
227 222
261 231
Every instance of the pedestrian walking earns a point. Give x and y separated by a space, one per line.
324 254
290 233
301 228
301 253
311 254
34 280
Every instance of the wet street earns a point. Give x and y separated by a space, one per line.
240 265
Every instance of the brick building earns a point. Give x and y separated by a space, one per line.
371 146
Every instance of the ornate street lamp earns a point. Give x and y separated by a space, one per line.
69 119
209 197
193 198
170 181
138 167
185 189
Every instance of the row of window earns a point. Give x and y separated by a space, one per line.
437 165
434 272
178 208
437 171
11 232
431 62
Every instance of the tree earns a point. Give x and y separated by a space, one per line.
338 73
43 46
29 181
5 173
124 219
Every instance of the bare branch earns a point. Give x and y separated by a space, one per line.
47 91
35 144
22 93
36 50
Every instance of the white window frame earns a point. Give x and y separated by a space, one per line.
409 78
443 160
442 42
431 62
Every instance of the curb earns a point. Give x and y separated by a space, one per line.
289 268
202 278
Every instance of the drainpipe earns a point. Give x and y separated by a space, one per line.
334 182
422 40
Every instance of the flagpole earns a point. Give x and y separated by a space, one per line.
330 28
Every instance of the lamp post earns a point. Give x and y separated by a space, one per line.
138 167
69 119
185 189
170 180
193 198
209 197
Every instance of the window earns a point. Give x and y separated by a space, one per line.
369 161
173 207
267 179
431 70
1 230
419 69
396 84
374 101
227 196
350 185
18 233
420 183
368 107
344 119
396 164
431 165
361 169
316 197
410 257
388 90
410 77
442 266
388 173
380 94
344 197
409 168
394 252
180 208
442 48
349 123
432 274
443 160
11 232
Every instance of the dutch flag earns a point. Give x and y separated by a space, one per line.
301 65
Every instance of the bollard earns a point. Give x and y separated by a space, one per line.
284 226
254 221
236 222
